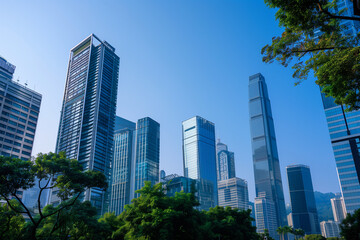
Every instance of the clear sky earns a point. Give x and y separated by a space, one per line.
178 59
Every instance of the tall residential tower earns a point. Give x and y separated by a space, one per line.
268 182
86 128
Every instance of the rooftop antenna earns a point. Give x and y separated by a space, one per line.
26 83
18 79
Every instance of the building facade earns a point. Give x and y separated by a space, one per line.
265 215
303 206
330 229
225 162
344 129
233 193
147 152
264 150
338 208
199 153
19 108
123 162
86 128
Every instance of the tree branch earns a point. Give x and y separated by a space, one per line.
336 16
65 206
25 208
317 49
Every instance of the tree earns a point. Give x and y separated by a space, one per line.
228 224
298 233
350 226
281 232
153 215
11 222
314 237
315 40
265 235
59 172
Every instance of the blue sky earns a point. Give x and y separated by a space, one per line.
178 59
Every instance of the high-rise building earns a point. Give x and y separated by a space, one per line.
147 153
225 162
344 128
264 149
86 129
265 215
199 153
303 206
233 193
162 175
123 162
338 208
19 108
330 229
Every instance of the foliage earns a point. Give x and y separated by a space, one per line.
265 235
350 226
282 231
227 223
298 232
314 40
11 222
314 237
59 172
154 215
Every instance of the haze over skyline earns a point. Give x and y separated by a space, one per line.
177 60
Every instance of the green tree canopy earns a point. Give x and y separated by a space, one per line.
59 172
350 226
315 40
11 222
314 237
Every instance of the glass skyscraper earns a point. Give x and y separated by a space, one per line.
264 149
303 206
344 128
19 108
225 162
86 129
147 153
265 215
199 152
122 165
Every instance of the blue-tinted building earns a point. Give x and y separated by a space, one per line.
225 162
199 152
86 129
344 129
264 149
265 215
147 153
303 206
19 108
122 165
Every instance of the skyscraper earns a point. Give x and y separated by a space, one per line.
123 162
225 162
338 208
147 153
233 193
265 215
264 149
199 152
86 128
303 206
19 108
344 129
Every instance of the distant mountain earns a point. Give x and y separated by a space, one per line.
323 206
